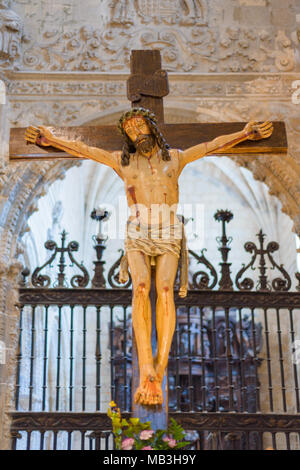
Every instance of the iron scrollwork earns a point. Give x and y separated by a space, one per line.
278 284
113 274
297 275
77 280
206 279
44 281
246 284
41 280
200 279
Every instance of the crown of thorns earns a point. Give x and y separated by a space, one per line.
133 113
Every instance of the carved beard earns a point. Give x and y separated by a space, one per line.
144 143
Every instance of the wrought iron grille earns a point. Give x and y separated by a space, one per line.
233 369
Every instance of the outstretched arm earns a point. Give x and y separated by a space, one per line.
252 131
44 136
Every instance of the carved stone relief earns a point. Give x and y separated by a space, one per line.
67 86
197 49
121 12
270 86
11 36
183 12
65 112
191 34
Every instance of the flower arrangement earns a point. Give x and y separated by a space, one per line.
135 435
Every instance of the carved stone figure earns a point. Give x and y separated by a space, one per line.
196 11
120 12
11 34
150 171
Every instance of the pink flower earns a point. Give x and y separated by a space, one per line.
127 444
171 442
146 434
147 448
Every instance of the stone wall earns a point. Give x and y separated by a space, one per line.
194 35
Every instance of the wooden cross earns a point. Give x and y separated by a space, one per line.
146 87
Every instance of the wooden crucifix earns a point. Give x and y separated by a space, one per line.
150 169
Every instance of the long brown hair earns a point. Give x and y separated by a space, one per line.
151 120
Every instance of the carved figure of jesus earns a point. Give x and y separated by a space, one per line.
196 9
150 171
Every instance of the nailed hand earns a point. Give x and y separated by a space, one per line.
259 131
38 135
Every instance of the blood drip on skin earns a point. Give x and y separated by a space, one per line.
166 290
150 165
233 142
142 299
145 310
131 191
142 284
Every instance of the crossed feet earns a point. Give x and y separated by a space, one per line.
149 392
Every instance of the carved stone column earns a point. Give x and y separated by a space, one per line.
20 188
9 335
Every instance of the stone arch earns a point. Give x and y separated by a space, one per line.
281 174
23 184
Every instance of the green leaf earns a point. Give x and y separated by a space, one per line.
159 433
118 442
179 445
134 421
176 430
139 445
128 433
122 428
